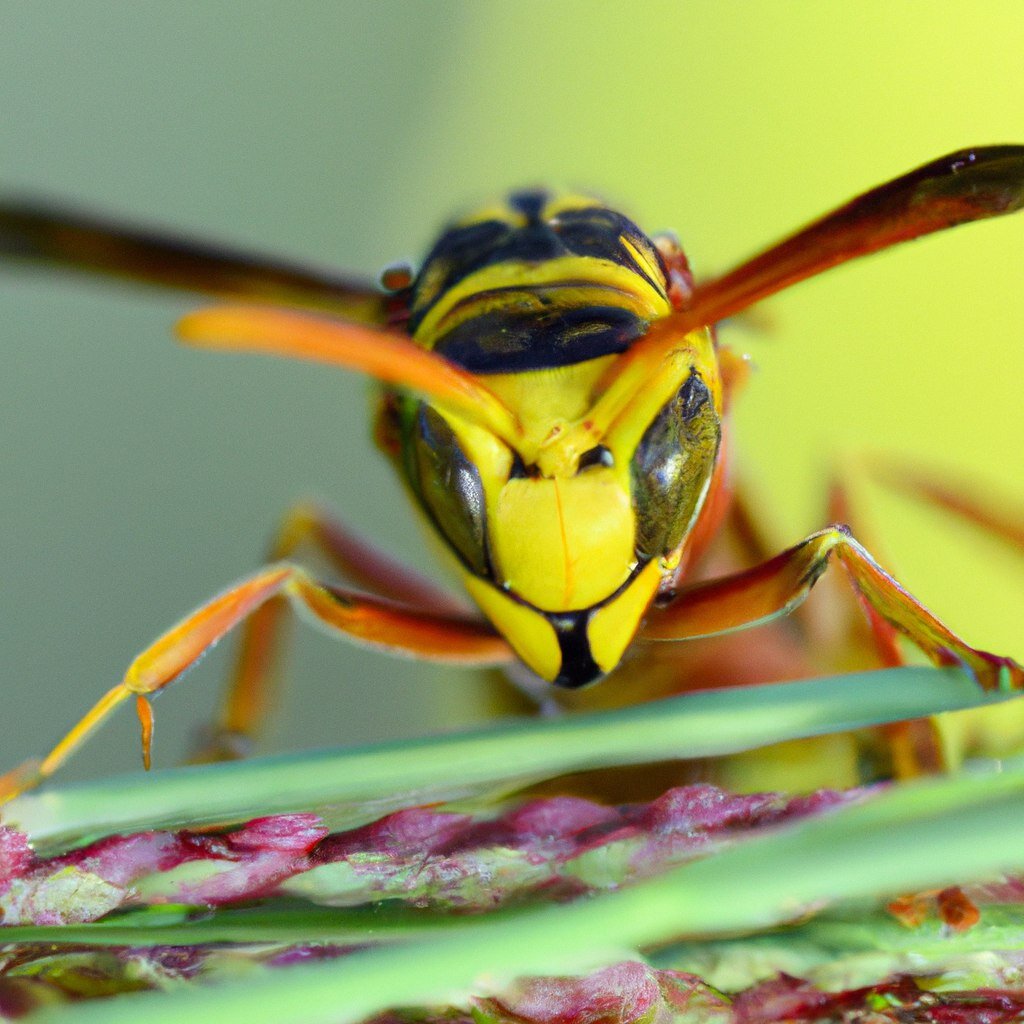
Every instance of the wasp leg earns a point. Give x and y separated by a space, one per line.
361 618
779 585
843 624
910 749
251 687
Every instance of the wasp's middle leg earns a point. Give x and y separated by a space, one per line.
780 584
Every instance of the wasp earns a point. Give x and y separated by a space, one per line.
555 399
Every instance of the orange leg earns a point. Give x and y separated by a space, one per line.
835 623
779 585
373 621
913 748
868 632
250 692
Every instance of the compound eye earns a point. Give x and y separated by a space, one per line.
450 488
671 468
596 456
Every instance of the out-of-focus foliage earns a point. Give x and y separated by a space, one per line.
448 905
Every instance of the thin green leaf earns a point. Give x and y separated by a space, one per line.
353 786
919 836
277 925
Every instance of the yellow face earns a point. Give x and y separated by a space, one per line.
565 541
566 533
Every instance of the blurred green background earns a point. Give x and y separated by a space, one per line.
139 478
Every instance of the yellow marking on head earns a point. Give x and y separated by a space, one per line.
568 572
644 261
577 280
563 544
547 403
499 211
430 283
541 397
531 636
568 201
612 628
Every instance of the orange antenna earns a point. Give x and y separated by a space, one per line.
385 355
971 184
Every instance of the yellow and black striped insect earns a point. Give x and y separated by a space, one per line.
555 399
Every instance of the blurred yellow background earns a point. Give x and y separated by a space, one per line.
138 478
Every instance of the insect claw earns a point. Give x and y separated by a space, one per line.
994 673
145 712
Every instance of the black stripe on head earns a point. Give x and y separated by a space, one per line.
598 231
590 231
503 341
464 250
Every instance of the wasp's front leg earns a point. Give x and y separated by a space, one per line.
250 693
780 584
402 629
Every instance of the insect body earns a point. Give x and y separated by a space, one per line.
554 398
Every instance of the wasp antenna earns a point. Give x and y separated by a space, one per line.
647 367
971 184
385 355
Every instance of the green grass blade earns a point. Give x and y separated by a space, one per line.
363 783
279 925
918 836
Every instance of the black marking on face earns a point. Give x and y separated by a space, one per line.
518 470
578 665
599 232
596 456
508 342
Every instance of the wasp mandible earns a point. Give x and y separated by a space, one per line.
554 398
